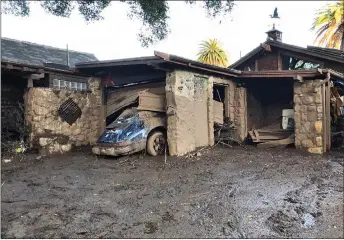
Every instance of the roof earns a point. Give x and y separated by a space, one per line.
36 55
159 58
327 51
323 53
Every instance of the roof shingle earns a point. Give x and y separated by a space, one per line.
35 54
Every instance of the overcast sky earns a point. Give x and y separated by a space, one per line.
115 36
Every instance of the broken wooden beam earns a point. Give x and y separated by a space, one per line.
278 143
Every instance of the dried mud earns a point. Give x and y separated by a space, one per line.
224 193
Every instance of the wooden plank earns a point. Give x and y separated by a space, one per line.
218 112
257 134
282 142
227 93
274 130
270 137
152 102
328 114
251 135
113 107
279 61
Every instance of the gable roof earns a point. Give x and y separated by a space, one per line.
324 53
16 51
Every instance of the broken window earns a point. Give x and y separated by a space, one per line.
69 111
293 63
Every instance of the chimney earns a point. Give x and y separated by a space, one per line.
274 34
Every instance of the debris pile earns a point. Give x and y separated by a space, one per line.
15 133
226 133
337 113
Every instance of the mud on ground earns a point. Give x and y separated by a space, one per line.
224 193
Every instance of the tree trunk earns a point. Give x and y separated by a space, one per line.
342 43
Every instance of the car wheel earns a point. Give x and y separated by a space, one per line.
156 144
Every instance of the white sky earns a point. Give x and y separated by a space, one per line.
115 36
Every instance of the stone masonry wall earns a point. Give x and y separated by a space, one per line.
49 133
308 113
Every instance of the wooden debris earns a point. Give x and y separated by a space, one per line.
278 143
268 134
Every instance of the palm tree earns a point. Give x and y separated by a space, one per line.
329 23
211 52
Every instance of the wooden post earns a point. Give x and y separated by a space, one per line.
227 93
328 114
279 61
103 109
256 65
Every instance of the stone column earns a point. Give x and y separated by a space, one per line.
308 116
189 112
240 118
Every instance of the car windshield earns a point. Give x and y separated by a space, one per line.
127 126
124 119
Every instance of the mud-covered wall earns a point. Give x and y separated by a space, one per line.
190 119
189 111
49 132
308 112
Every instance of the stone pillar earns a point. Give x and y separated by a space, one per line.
210 109
308 116
240 116
189 112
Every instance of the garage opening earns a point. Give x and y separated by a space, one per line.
270 109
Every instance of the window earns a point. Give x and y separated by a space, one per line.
293 63
75 86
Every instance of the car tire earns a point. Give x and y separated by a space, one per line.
156 144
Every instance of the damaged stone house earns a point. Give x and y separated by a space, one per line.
307 81
253 100
253 94
45 100
273 83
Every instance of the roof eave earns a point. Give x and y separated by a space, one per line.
197 65
119 62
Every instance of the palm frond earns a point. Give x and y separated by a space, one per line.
211 52
329 23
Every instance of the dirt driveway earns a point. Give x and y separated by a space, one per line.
224 193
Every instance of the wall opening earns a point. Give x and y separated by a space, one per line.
267 101
219 103
13 126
